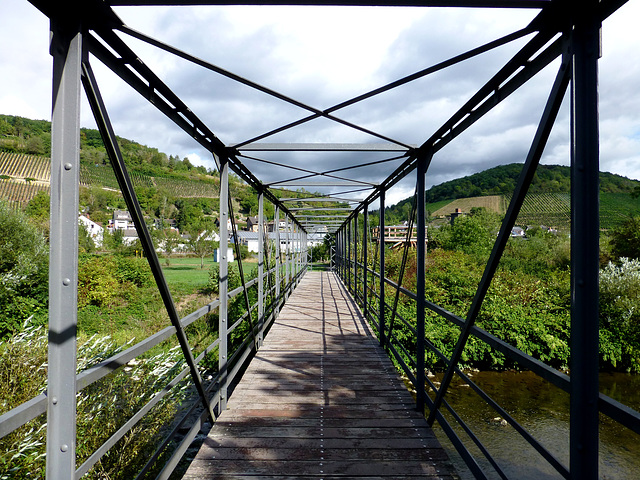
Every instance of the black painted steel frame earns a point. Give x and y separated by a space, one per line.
563 28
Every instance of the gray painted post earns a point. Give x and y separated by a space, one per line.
223 316
381 250
584 243
66 48
261 247
355 257
287 266
420 287
276 226
364 259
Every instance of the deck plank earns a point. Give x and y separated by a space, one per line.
320 400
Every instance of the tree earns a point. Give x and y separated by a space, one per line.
203 245
23 271
38 206
625 239
167 240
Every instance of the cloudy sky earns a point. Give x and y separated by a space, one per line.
322 57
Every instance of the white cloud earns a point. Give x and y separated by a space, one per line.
323 56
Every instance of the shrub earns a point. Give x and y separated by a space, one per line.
24 271
101 408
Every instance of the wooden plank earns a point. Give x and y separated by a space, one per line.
320 400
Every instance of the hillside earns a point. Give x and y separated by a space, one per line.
547 201
167 187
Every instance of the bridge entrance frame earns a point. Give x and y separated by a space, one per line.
566 29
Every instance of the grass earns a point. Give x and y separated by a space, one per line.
185 272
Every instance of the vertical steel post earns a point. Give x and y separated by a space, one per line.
348 240
584 242
286 257
382 273
364 258
420 287
223 290
261 247
66 49
276 227
355 257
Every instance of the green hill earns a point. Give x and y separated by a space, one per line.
547 202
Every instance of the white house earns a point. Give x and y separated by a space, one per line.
94 230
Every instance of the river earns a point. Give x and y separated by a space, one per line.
543 410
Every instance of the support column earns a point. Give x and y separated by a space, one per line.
348 266
584 243
261 247
223 290
286 257
420 287
66 49
276 226
355 257
364 259
382 273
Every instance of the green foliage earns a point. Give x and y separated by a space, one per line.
103 280
625 239
102 408
38 206
23 271
620 314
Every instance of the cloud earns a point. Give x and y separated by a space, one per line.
322 57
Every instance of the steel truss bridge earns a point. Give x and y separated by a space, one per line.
89 32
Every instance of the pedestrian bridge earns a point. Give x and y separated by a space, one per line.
320 399
302 377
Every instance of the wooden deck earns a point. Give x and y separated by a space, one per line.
320 400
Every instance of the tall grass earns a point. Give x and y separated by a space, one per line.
102 408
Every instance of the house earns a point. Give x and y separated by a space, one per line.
517 232
121 220
95 230
252 224
456 214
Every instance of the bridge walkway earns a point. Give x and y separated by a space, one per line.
320 400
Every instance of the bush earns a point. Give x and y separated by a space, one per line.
101 408
24 270
620 314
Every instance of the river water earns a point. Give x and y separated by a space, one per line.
543 410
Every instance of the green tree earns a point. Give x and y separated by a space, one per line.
38 206
625 239
23 271
202 245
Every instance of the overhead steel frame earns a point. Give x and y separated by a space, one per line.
563 27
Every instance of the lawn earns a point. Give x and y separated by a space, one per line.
186 272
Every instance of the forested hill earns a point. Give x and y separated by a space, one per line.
502 181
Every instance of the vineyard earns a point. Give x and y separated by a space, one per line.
493 203
549 209
19 193
20 165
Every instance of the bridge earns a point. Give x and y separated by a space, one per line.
291 391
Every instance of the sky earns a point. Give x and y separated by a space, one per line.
323 56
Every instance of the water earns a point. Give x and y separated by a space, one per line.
543 410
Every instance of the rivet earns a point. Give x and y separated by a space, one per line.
68 166
66 281
64 448
54 400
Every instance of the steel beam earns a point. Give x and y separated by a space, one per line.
420 286
382 310
585 46
66 49
223 289
261 246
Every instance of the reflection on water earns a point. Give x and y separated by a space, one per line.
543 410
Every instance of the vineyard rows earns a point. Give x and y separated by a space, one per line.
549 209
20 193
187 188
20 165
